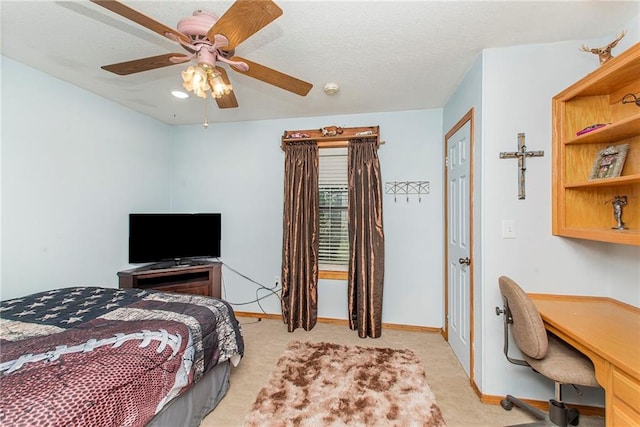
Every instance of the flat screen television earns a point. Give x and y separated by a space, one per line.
175 237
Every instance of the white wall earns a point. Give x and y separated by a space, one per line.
73 166
517 86
237 169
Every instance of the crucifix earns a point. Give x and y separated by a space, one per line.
521 155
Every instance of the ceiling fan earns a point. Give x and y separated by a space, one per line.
210 40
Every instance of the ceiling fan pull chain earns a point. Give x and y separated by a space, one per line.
206 122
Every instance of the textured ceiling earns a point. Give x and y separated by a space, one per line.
385 55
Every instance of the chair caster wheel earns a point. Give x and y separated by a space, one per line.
573 416
506 405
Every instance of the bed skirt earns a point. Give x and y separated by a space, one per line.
191 407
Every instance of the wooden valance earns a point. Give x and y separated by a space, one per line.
331 136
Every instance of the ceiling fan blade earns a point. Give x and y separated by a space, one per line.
146 64
273 77
243 19
142 19
229 100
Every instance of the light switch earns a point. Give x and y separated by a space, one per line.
508 229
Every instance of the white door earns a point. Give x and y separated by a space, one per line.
458 147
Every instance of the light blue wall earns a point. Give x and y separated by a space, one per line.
468 96
237 168
73 166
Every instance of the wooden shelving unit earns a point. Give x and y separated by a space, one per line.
581 207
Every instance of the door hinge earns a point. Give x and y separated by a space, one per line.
446 161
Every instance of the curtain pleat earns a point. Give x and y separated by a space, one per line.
300 236
366 238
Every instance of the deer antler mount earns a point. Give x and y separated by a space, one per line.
604 53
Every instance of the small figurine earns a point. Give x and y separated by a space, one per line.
331 131
297 135
618 203
604 53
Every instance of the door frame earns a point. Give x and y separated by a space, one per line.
468 117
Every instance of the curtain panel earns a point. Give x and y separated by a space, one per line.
300 238
366 238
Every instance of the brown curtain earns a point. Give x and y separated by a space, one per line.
300 236
366 238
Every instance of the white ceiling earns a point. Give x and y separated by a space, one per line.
385 55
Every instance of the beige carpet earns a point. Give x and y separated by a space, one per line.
266 340
325 384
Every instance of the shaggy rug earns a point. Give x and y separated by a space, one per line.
323 384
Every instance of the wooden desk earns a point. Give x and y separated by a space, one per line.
608 332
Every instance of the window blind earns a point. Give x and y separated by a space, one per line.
333 199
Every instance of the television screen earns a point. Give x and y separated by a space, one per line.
155 237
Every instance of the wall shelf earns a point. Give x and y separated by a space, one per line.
316 134
620 130
582 208
609 182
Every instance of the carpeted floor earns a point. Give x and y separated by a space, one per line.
265 341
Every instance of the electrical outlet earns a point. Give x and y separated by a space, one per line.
508 229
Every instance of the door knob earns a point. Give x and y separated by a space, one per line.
464 261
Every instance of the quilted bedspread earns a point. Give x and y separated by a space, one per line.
89 356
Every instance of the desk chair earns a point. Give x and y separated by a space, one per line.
544 353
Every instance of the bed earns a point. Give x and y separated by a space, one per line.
114 357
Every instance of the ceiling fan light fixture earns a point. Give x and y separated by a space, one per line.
202 78
194 79
218 87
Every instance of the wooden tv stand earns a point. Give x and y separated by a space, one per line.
202 279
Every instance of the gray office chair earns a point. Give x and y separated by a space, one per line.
544 353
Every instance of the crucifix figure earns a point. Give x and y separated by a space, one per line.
521 155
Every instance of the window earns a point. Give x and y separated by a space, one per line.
333 198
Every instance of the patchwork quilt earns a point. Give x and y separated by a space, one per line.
90 356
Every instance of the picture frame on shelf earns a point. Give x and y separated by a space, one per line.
609 162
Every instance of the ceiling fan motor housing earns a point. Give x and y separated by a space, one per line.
197 26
